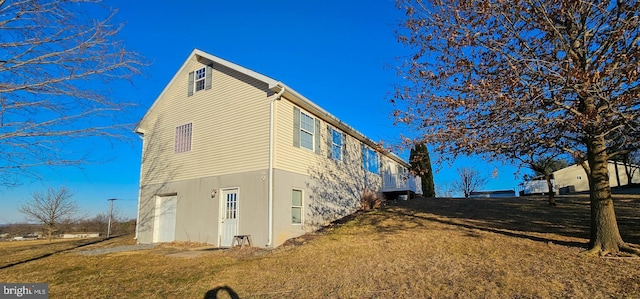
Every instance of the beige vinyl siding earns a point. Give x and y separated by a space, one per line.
576 176
286 156
230 127
298 159
348 172
571 176
301 160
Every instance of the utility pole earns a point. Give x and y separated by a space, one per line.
110 216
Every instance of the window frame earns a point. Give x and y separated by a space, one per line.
312 121
371 162
297 207
199 80
183 138
339 146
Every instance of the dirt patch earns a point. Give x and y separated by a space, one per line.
98 251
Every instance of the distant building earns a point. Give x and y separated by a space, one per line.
574 179
25 238
537 185
493 194
79 235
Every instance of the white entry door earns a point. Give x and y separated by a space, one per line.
164 228
229 209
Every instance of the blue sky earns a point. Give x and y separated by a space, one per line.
339 54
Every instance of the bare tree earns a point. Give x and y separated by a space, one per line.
50 208
59 60
100 222
445 189
469 180
503 78
545 166
630 160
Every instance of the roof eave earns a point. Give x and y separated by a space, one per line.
313 108
275 86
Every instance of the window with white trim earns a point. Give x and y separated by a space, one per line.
307 129
296 206
183 139
370 160
200 76
200 79
401 169
336 144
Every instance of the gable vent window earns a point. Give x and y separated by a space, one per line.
183 139
200 79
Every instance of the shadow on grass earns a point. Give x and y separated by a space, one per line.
520 217
41 256
227 291
498 231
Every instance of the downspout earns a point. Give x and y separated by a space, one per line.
139 188
270 183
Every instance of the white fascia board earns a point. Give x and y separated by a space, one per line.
236 67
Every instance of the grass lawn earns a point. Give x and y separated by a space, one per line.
440 248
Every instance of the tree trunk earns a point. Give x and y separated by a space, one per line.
627 171
50 233
552 199
605 236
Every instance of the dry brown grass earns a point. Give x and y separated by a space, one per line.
436 248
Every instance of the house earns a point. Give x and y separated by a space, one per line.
79 235
537 185
493 194
574 179
228 151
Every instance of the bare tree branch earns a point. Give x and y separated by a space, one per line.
50 208
59 61
469 181
515 79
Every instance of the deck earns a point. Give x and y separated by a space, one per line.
392 182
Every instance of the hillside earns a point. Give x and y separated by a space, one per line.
440 248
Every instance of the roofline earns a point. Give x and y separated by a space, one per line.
331 119
541 177
275 86
218 60
236 67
